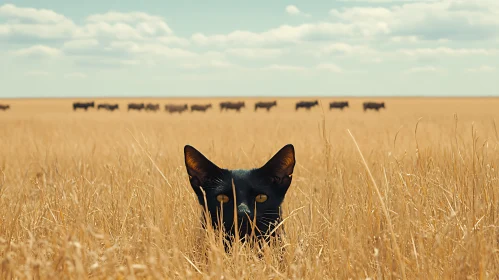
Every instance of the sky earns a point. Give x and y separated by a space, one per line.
130 48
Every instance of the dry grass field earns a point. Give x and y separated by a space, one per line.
83 196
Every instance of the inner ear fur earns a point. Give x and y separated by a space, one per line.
282 163
199 167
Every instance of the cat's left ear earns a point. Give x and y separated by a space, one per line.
281 165
199 168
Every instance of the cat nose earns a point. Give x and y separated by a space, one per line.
243 210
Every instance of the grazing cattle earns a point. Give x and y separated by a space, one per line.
4 107
113 107
223 105
373 106
152 107
338 105
172 108
109 107
306 104
202 108
232 106
136 106
84 105
265 105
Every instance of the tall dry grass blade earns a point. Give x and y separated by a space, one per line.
192 264
385 210
150 158
495 129
236 219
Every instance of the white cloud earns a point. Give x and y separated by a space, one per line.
190 65
37 51
151 49
80 44
173 40
405 39
281 67
362 14
10 11
132 17
221 64
130 62
345 49
434 20
329 67
37 31
482 69
253 53
36 23
37 74
75 75
423 69
41 23
294 11
4 30
447 51
124 26
284 34
105 30
207 63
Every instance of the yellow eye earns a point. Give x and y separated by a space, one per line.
261 198
222 198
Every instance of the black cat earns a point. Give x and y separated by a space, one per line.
258 193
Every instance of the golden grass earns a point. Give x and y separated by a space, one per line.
82 195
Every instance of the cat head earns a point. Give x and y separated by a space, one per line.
252 197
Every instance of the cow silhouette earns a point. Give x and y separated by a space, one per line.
265 105
306 104
107 106
373 106
232 106
201 108
152 107
83 105
173 108
338 105
136 106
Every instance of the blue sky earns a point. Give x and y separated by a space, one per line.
94 48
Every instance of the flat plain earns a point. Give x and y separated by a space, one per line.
105 195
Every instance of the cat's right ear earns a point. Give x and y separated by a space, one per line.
199 168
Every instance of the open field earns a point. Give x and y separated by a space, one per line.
82 195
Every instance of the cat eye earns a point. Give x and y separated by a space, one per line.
261 198
222 198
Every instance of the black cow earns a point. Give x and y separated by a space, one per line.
306 104
202 108
4 107
109 107
84 105
172 108
136 106
113 107
223 105
338 105
152 107
265 105
373 106
232 106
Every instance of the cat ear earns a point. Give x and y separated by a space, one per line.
281 165
199 167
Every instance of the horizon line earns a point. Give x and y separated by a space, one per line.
252 97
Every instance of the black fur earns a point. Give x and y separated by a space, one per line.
273 180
